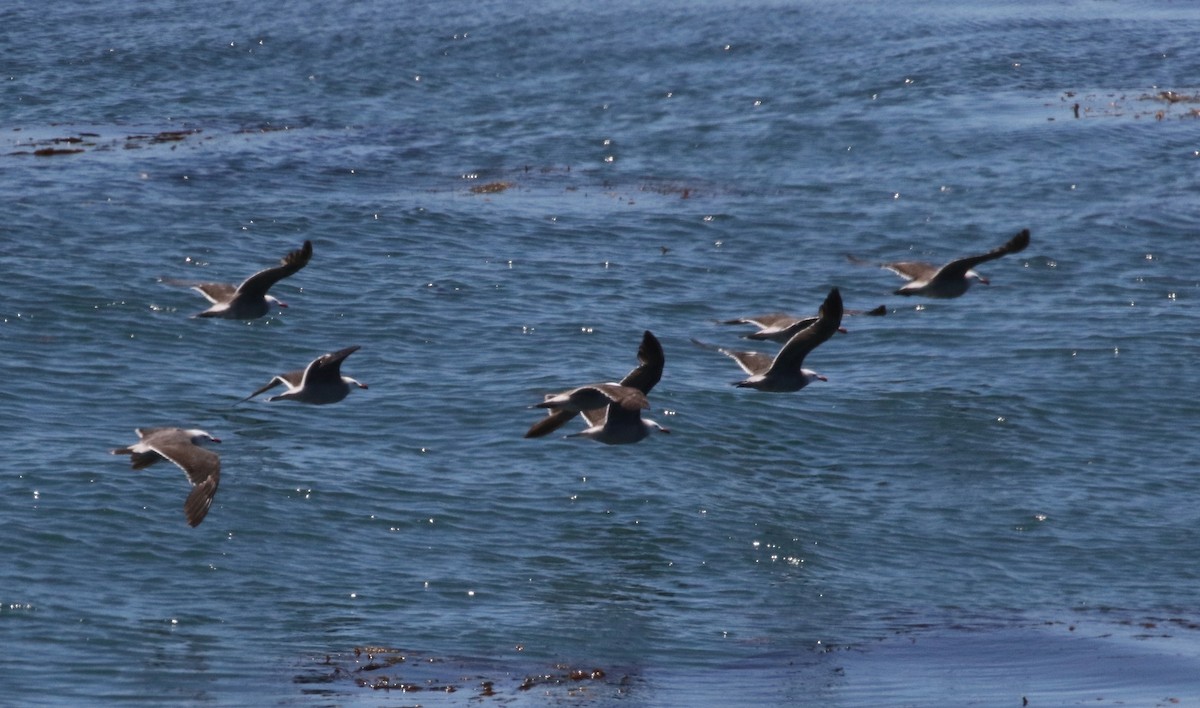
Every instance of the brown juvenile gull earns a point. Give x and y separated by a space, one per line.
250 300
784 372
320 382
780 326
182 447
596 411
954 278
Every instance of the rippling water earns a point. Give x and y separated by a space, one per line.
501 198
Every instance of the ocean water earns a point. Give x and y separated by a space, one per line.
992 498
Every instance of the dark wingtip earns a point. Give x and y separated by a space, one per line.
299 258
199 501
832 306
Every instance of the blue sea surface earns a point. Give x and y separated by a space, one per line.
992 498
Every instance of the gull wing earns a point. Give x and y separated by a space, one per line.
751 362
650 365
909 270
215 292
958 268
328 367
774 319
552 422
292 379
258 284
912 270
828 320
596 396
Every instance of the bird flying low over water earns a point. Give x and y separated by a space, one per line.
784 372
779 327
319 383
595 396
613 411
250 300
954 278
181 447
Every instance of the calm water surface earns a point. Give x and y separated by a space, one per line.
501 198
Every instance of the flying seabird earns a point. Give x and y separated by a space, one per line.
784 372
594 396
954 278
250 300
780 326
320 382
182 447
612 410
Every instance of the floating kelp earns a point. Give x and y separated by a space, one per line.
491 187
1125 105
85 141
387 669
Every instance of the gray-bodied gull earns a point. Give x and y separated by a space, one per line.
784 372
250 300
181 447
954 278
320 382
613 411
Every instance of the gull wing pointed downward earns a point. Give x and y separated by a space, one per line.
553 421
292 379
